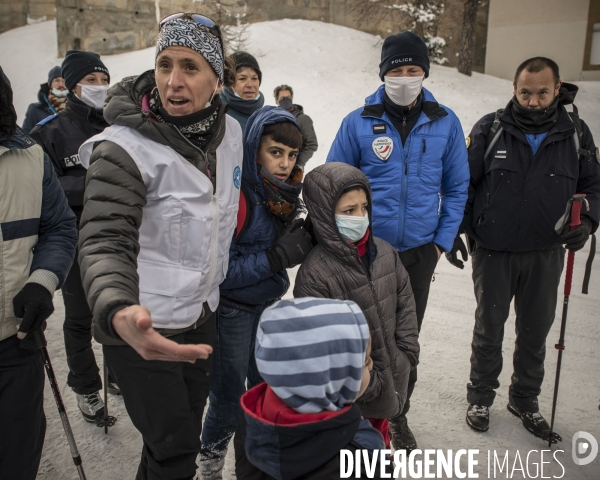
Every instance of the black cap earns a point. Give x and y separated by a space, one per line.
244 59
77 64
55 72
405 48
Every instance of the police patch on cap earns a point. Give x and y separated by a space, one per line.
383 147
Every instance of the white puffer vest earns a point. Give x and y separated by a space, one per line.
186 229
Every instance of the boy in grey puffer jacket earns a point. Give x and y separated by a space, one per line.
350 264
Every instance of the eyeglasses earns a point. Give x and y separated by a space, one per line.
207 22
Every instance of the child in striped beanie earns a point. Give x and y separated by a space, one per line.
314 355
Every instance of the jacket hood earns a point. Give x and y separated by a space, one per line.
286 444
567 93
8 115
254 128
323 187
42 95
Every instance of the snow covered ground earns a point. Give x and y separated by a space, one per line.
332 69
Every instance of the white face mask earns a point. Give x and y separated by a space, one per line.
60 93
93 95
352 228
403 90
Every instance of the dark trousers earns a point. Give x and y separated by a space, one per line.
22 419
420 264
83 372
233 362
532 278
165 401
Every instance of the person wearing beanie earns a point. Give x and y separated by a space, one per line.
162 192
52 98
84 79
270 238
244 97
412 150
296 423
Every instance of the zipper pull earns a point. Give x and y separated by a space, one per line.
424 146
404 121
405 167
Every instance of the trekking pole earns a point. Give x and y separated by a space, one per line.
40 341
576 205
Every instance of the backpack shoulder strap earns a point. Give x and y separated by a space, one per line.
243 214
494 133
578 135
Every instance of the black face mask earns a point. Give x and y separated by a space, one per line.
535 120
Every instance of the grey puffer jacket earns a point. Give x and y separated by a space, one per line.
309 137
333 269
115 194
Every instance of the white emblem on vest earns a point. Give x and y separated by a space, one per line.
383 146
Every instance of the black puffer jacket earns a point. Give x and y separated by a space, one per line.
309 137
114 196
333 269
513 208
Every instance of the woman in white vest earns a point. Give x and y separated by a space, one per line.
159 213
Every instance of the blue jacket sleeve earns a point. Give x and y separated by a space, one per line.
57 235
454 189
345 147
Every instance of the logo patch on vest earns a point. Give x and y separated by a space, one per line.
237 177
383 146
72 161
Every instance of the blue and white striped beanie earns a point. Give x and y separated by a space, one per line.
311 352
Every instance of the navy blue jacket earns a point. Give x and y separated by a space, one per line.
515 208
36 112
249 277
420 188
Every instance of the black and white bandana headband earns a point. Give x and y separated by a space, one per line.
186 33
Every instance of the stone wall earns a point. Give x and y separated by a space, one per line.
14 13
116 26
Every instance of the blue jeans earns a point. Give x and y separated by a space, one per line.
233 362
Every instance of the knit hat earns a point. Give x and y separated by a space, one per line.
311 352
182 32
77 64
55 72
244 59
404 48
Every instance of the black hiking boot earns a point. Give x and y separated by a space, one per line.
535 424
478 417
402 436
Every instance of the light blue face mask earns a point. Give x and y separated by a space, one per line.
352 228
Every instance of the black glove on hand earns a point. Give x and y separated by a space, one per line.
575 239
34 305
291 248
452 255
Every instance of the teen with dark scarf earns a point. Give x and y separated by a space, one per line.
270 238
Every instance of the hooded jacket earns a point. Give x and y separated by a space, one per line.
115 197
273 441
36 112
333 269
514 208
249 277
37 228
309 137
60 136
419 187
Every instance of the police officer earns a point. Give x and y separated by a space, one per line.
519 190
61 135
412 150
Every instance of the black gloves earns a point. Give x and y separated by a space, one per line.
291 248
452 255
34 305
575 239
